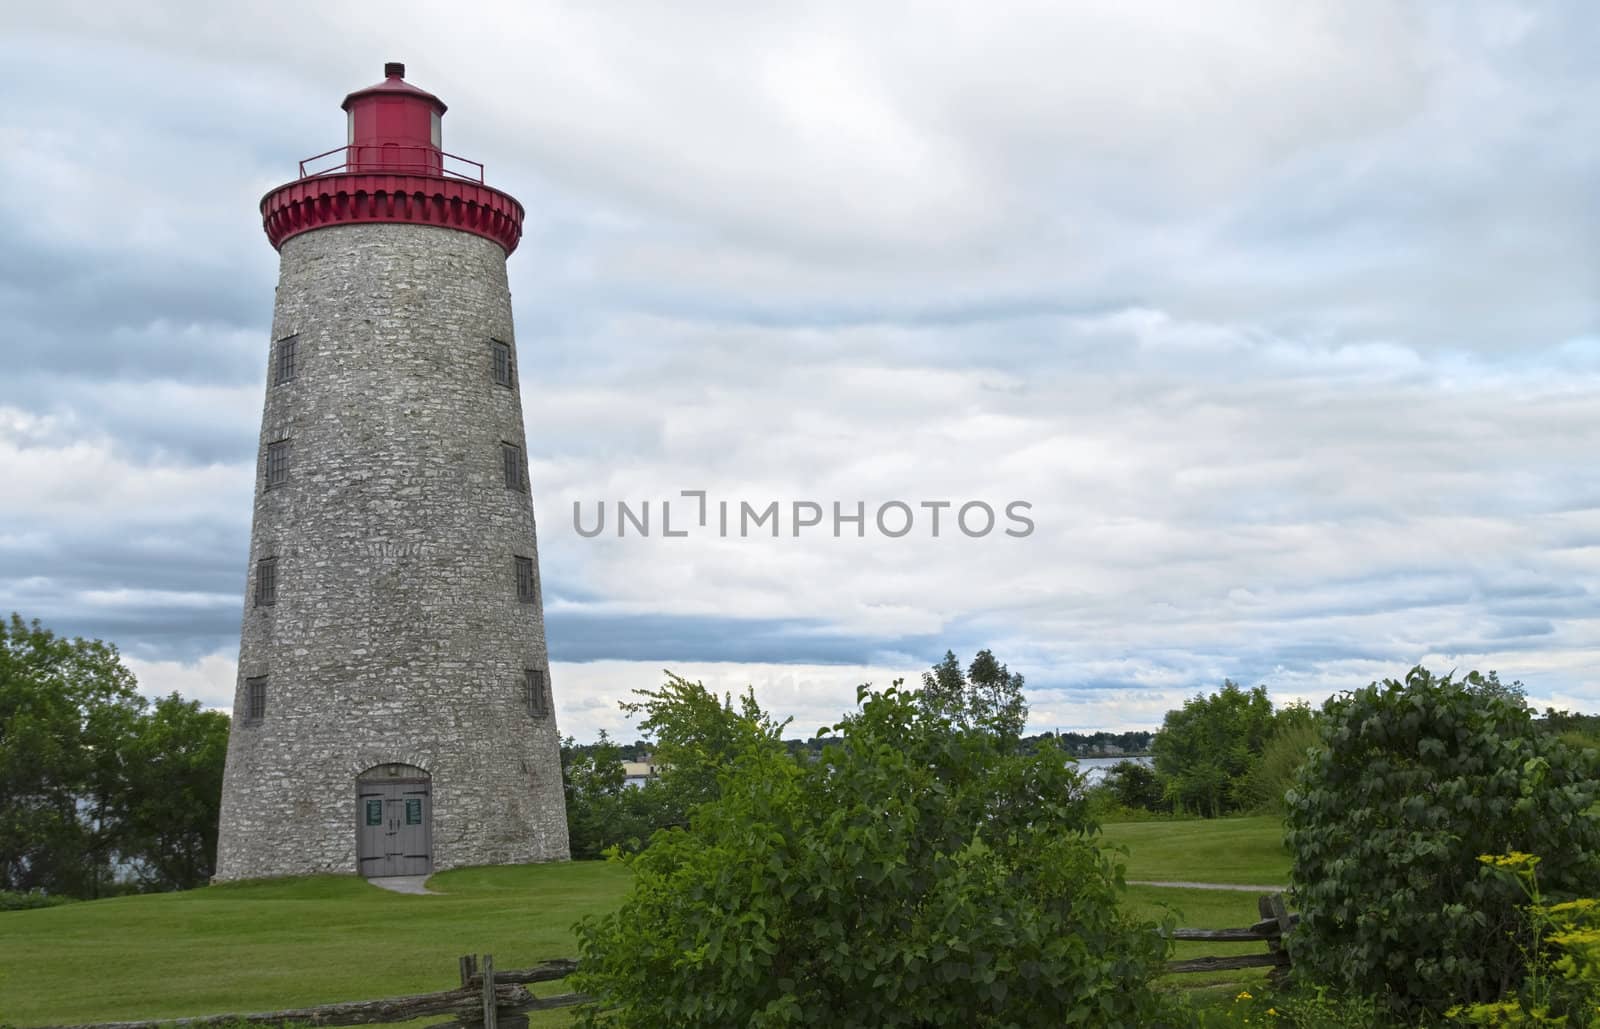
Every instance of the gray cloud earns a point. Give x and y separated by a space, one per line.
1283 319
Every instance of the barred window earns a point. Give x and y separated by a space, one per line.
502 362
525 585
534 690
283 368
255 698
511 464
266 582
277 463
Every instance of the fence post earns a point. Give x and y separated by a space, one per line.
1272 907
488 992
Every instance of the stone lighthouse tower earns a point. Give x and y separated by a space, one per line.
393 712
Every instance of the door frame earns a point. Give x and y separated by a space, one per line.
403 780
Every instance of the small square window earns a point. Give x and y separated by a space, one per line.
511 464
526 588
277 463
374 812
255 698
413 811
537 696
266 582
502 362
283 368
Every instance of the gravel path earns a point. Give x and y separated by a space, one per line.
415 884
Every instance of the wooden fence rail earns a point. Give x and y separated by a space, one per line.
485 997
488 998
1276 921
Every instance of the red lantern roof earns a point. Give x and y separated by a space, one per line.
392 168
394 83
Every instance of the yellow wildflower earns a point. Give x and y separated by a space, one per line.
1574 906
1576 937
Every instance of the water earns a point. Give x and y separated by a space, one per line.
1095 768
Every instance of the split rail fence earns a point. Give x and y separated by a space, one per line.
1276 921
490 999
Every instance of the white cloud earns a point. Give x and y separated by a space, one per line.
210 679
1265 308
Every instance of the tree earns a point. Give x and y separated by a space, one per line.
985 696
602 809
173 794
917 874
66 709
1206 749
1294 734
1411 783
93 779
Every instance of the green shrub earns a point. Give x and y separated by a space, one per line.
1412 782
914 875
1269 781
697 734
12 900
1136 786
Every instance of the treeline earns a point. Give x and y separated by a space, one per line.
1133 743
1233 751
101 790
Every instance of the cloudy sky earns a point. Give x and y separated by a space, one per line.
1285 319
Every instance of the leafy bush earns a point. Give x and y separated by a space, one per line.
1135 786
12 900
1412 782
1269 780
697 734
914 875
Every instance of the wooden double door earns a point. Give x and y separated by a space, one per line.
394 828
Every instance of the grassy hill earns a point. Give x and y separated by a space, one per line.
268 945
263 946
1220 850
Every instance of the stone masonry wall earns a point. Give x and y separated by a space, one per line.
397 634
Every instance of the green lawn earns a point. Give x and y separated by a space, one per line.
1216 850
263 946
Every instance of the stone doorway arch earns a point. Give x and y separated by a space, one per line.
394 820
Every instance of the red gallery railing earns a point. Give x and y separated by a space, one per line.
393 159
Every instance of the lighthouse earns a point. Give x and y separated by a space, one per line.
393 711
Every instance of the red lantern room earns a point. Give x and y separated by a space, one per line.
394 125
392 168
